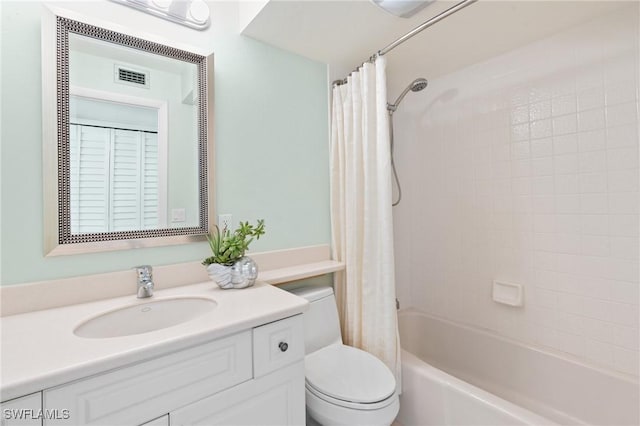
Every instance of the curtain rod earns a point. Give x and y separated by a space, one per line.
439 17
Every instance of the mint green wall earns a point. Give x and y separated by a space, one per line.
271 151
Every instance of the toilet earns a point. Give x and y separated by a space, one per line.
343 385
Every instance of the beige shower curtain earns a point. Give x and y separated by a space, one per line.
362 226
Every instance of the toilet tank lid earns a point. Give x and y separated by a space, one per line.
312 293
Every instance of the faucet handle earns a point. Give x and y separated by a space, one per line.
144 272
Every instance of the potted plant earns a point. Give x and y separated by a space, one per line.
229 267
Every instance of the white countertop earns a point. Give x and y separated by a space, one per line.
39 349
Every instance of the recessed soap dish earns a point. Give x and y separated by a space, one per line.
507 293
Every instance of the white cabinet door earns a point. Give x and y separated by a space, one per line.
275 399
24 411
132 395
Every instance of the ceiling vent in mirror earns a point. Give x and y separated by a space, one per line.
126 75
402 8
192 13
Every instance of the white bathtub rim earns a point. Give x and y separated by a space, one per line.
495 402
634 380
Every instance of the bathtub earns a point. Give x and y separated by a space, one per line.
454 374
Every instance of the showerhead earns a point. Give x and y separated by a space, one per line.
416 85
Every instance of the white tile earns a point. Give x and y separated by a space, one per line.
520 150
593 183
568 204
543 297
540 110
571 343
521 168
568 243
568 223
626 360
547 280
541 129
592 119
594 203
621 269
521 185
564 124
591 98
565 144
520 132
624 203
520 114
593 140
545 223
625 292
626 337
595 245
500 152
622 114
567 184
624 225
542 147
623 181
601 353
544 260
593 161
594 224
543 204
571 303
570 323
562 105
625 247
565 164
542 185
619 92
541 316
622 136
598 330
622 158
542 166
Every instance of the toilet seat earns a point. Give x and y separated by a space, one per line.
349 377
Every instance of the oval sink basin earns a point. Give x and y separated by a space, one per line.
144 317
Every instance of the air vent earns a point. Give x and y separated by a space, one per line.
131 76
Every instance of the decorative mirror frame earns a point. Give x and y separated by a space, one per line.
56 26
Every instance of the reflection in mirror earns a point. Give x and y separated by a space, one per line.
131 146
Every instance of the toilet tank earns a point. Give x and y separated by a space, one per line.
321 322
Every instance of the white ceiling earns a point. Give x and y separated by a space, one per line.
345 33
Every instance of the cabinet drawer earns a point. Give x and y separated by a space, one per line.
135 394
277 344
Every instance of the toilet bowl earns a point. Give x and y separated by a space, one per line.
344 385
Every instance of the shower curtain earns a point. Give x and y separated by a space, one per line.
361 220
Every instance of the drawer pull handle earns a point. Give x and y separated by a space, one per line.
283 346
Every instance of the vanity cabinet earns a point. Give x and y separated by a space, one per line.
252 377
24 411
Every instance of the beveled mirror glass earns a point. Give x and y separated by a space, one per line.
131 142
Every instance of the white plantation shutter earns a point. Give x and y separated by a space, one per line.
89 150
114 180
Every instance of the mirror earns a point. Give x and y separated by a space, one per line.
130 142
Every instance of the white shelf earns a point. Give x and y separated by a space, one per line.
298 272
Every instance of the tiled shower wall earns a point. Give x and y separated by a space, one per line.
524 169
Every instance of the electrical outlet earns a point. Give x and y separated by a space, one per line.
225 222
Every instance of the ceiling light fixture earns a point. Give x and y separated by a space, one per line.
192 13
402 8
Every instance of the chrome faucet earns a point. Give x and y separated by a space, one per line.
145 281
